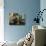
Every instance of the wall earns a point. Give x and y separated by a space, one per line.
43 6
1 21
29 7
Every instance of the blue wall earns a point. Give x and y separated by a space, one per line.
29 7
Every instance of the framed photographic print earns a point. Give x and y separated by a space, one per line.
16 19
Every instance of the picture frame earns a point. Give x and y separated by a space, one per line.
16 19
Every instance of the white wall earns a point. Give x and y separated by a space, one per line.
1 21
43 6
